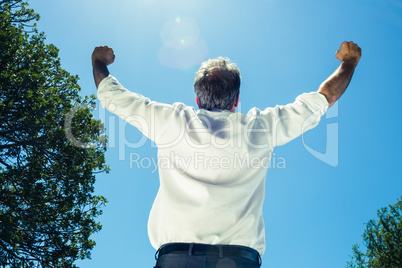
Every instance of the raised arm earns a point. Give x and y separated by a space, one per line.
349 54
101 58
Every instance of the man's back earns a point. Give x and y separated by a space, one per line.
212 164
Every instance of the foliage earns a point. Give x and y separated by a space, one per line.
383 240
49 155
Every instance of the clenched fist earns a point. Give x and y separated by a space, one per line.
104 54
349 52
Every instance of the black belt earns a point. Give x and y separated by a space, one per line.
202 249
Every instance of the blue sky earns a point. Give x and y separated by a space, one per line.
318 202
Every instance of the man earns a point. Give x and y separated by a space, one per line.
213 162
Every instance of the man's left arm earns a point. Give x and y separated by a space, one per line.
150 117
101 57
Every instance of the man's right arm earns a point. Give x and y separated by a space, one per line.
290 121
349 54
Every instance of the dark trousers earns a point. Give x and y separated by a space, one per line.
191 255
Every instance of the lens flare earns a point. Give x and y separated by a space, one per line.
182 45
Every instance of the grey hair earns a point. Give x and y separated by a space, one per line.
217 84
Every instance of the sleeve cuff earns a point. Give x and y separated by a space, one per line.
105 81
316 101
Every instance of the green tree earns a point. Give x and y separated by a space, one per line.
51 148
382 239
